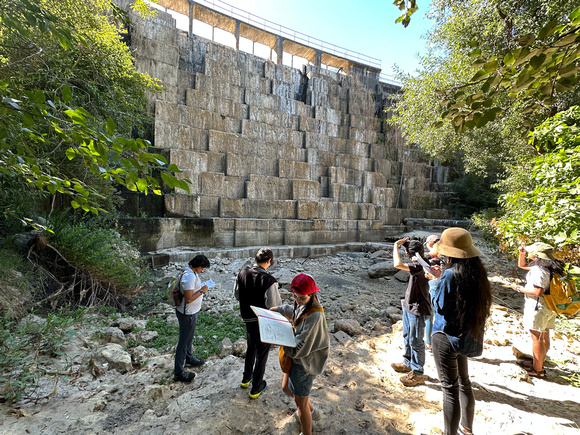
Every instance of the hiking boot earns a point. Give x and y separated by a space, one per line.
194 362
245 384
184 376
401 368
413 379
255 392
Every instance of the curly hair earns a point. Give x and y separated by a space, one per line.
474 297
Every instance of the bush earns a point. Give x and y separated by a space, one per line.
93 246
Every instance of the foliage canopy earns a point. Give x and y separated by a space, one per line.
69 98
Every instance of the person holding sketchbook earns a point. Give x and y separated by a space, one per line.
312 346
255 286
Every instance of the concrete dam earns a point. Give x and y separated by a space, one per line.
276 155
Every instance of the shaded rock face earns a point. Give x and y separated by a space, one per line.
275 155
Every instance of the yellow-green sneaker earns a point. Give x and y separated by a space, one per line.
245 384
255 393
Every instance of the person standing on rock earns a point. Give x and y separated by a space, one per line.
187 313
538 318
462 301
255 286
312 347
416 310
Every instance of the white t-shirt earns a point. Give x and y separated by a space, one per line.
537 277
190 281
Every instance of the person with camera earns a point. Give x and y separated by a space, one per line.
416 310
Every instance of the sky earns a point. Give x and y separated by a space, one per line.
364 26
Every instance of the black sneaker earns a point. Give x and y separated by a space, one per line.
254 394
194 362
184 376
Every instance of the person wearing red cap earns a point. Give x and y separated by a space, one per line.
312 346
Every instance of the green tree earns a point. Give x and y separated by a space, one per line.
543 195
70 99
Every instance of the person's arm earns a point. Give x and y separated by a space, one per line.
191 295
236 290
307 338
537 291
286 310
522 259
397 262
272 296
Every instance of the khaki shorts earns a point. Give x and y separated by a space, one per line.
541 319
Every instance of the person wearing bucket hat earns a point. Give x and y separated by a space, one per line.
416 307
312 346
538 318
462 301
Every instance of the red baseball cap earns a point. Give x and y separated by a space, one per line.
303 284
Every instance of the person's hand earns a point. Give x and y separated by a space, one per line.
274 309
522 250
516 288
429 276
398 243
203 289
437 272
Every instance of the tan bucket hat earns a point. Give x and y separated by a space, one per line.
542 250
456 243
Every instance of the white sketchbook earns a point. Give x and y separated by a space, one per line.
274 327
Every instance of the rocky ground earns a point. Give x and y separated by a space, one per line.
358 393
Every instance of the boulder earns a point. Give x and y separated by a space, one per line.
239 347
126 324
117 358
402 275
380 254
226 347
112 334
384 268
141 353
144 336
350 326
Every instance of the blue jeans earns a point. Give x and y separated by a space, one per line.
413 332
183 353
428 329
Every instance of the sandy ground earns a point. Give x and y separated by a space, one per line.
358 393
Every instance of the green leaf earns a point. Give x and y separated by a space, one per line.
142 185
70 153
66 94
110 126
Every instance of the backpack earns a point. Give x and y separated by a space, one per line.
174 288
562 297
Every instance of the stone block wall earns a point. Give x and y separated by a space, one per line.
275 155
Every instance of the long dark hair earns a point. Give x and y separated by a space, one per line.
474 296
552 266
313 300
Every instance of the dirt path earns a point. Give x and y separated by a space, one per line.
358 393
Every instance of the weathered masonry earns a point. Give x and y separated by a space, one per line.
276 155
